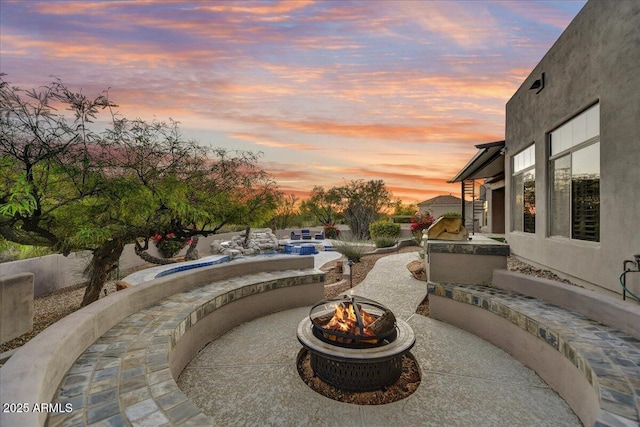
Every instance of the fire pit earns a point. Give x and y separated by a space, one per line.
355 343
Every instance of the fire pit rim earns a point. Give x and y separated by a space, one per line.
402 344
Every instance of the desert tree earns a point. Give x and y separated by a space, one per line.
323 205
70 187
286 210
362 203
44 160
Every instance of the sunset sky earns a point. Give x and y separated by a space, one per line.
329 91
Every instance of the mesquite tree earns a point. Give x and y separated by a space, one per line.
65 185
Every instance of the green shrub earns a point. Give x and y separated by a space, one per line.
384 241
10 251
384 228
352 249
451 215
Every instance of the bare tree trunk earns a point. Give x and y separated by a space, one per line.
192 252
104 259
245 244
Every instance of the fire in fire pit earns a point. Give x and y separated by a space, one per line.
355 343
355 322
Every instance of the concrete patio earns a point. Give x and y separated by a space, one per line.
248 376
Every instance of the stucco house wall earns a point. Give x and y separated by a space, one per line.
441 205
439 210
595 60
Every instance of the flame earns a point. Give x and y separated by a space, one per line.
345 320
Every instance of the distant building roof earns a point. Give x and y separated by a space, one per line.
442 200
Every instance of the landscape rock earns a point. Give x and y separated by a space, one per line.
417 269
260 241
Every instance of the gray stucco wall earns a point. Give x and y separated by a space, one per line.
54 272
596 59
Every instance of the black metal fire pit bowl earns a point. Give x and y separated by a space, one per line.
361 364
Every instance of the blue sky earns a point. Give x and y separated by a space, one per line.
329 91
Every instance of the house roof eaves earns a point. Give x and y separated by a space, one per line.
482 164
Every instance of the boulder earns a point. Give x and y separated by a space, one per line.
259 242
417 269
447 228
122 285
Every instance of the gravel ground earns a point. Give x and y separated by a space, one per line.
50 308
514 264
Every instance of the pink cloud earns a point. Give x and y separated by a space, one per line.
398 90
257 7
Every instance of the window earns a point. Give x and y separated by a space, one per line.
524 191
575 177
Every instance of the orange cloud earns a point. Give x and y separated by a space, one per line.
73 7
396 90
93 50
442 88
415 196
264 141
455 131
467 24
409 187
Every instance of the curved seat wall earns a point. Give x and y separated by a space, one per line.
594 367
35 371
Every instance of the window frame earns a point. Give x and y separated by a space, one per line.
569 151
522 171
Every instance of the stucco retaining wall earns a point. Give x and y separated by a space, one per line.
16 306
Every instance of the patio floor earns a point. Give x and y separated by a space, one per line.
248 376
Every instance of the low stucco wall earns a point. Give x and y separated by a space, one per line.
467 261
55 272
51 272
16 306
34 372
229 316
